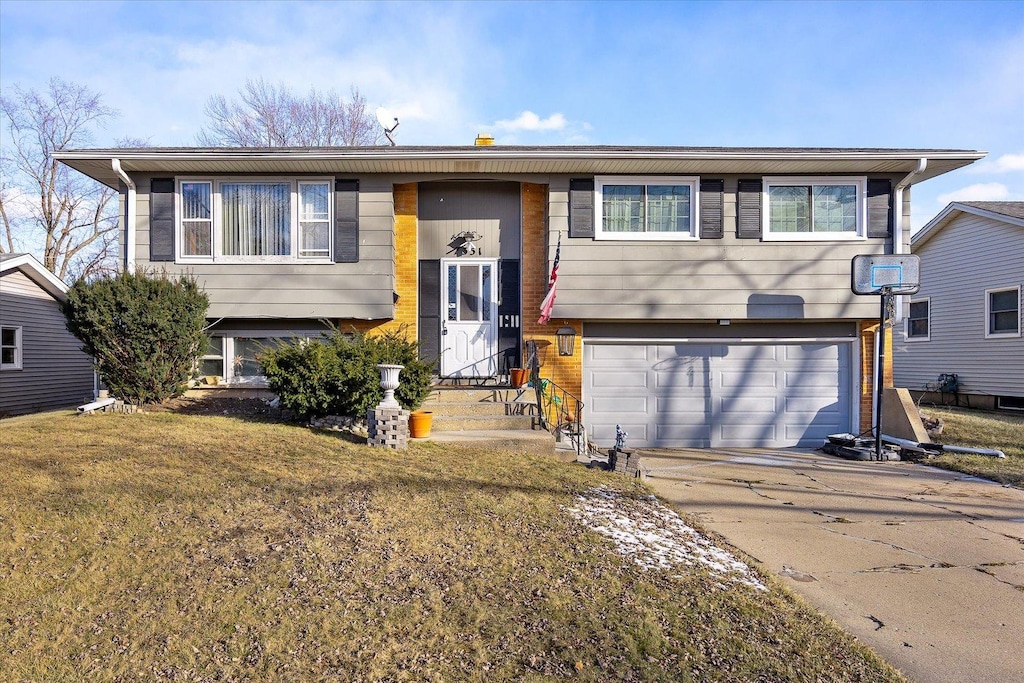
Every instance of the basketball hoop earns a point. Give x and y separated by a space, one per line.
884 275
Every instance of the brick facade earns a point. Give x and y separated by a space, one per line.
538 246
868 329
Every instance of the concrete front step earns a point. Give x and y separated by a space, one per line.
457 423
476 395
535 442
480 409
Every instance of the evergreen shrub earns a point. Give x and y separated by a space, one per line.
338 375
143 330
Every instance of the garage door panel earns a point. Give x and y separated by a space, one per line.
622 405
619 380
738 395
747 380
619 353
746 405
677 406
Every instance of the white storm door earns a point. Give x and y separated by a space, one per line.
469 317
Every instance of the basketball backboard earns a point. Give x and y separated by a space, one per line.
881 273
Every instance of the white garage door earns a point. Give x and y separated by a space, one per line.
717 395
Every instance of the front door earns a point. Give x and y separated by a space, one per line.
469 317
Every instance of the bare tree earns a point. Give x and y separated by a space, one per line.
46 207
267 115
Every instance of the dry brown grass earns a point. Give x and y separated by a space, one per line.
197 547
982 429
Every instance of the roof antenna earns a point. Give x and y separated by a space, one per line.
384 118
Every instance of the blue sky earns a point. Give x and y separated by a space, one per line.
888 74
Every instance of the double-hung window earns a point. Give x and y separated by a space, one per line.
263 220
822 208
646 208
1002 312
10 348
918 328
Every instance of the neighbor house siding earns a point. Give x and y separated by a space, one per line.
362 290
968 256
55 373
707 279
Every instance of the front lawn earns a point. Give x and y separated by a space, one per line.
982 429
160 545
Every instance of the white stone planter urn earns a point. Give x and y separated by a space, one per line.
389 382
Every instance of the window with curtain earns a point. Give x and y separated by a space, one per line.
651 208
239 220
809 208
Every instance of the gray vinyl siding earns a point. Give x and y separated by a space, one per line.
968 256
54 372
738 279
491 209
360 290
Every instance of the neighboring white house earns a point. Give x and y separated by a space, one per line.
42 365
966 320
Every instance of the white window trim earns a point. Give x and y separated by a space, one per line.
228 375
18 349
692 181
906 321
789 181
217 242
988 313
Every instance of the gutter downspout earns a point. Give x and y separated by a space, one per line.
897 230
129 241
897 248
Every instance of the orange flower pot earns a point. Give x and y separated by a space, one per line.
518 377
419 423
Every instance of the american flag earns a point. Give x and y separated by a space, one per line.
549 300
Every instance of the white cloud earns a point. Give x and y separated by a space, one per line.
530 121
1007 163
980 192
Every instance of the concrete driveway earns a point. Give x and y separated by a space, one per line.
925 566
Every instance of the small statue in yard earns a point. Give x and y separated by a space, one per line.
620 438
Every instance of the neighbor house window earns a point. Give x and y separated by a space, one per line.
242 220
10 348
815 208
918 320
646 208
1002 312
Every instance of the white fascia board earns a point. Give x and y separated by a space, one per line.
34 270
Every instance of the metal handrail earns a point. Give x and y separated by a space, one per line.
555 402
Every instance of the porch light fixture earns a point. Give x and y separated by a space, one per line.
566 340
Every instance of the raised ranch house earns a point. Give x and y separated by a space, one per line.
42 366
709 287
966 319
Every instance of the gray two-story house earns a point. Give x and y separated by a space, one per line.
709 288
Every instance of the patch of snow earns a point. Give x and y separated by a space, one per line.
656 537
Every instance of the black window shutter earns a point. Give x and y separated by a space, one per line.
711 192
581 207
346 221
748 209
880 208
161 219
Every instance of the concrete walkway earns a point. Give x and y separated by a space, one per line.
925 566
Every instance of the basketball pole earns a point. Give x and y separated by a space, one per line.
880 370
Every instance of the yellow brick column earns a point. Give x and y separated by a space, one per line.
565 371
868 354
